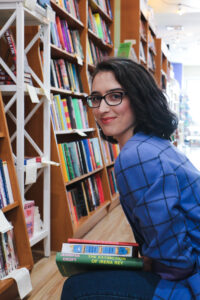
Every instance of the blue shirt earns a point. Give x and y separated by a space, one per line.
160 195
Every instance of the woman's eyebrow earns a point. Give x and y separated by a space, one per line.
108 91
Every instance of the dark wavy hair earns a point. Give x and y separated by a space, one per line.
148 101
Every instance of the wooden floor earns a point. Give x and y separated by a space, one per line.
46 280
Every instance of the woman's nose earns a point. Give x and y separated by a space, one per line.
103 106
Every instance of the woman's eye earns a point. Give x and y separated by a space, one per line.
115 96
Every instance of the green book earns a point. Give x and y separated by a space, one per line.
69 264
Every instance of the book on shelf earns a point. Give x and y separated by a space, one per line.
29 207
69 264
6 194
8 256
44 3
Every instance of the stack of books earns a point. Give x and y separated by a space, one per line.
79 256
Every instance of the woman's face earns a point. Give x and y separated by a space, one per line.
116 121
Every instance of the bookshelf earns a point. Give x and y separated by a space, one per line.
63 190
13 212
27 107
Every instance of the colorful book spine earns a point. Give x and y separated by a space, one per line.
113 250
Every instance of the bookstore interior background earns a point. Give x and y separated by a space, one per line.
56 173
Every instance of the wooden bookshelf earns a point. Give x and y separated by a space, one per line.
13 212
62 225
29 122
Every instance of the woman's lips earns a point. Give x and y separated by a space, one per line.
107 120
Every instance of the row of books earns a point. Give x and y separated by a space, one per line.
142 52
151 42
10 59
99 26
65 75
65 38
112 180
95 54
105 6
151 61
85 197
6 194
71 6
68 113
79 157
110 151
8 257
79 256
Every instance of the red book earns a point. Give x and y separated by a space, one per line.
60 34
100 188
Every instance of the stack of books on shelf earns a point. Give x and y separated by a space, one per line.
6 194
29 211
112 180
8 256
110 151
65 75
68 113
79 256
71 6
85 197
79 157
65 38
95 54
98 26
7 76
105 6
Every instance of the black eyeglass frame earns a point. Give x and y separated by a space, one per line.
122 93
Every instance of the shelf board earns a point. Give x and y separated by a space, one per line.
83 176
68 92
71 20
38 236
74 131
10 207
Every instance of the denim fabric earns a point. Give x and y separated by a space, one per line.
110 285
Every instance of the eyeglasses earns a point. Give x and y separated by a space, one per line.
111 99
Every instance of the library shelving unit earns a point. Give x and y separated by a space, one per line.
63 224
27 107
13 212
134 26
162 64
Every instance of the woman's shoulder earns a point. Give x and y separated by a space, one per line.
143 147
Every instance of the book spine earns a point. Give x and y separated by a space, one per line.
101 242
72 264
113 250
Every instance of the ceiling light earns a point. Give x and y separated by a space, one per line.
174 27
180 10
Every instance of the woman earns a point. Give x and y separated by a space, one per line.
159 188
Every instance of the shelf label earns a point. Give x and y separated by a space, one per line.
4 224
32 93
80 132
23 280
